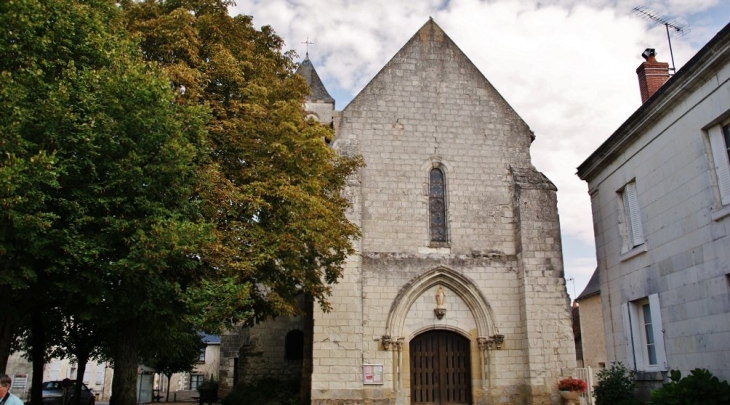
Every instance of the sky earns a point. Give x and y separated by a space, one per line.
568 67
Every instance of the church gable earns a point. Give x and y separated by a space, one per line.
431 109
431 71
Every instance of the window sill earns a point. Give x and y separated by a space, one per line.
650 375
434 250
720 213
439 245
634 252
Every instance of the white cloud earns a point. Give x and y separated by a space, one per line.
566 66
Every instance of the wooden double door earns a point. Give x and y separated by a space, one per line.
440 369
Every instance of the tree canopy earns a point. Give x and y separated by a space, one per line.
98 164
272 183
157 171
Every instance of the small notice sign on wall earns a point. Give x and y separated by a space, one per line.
372 374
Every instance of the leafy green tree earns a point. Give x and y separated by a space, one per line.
273 184
81 341
53 334
173 352
98 169
126 204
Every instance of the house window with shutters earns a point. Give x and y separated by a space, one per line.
437 207
719 136
644 334
630 218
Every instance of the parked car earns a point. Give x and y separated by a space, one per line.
53 393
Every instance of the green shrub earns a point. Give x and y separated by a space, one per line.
266 391
208 385
615 386
700 387
208 390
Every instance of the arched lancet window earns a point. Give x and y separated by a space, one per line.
294 345
437 206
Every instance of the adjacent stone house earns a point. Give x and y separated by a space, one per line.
97 375
456 294
660 192
184 386
593 339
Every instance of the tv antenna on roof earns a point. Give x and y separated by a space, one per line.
573 280
667 22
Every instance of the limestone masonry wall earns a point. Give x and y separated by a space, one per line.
501 268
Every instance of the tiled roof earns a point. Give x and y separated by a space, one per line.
210 339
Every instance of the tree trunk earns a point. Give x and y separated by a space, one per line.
82 360
167 398
9 321
6 338
38 352
124 383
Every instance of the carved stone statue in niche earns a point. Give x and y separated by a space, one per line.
440 309
440 297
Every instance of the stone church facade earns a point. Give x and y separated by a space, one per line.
456 294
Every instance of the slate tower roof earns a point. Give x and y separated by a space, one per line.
319 92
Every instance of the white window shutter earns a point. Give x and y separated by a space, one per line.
627 336
722 166
658 329
55 366
87 373
637 233
627 219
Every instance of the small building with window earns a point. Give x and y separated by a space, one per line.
183 386
97 375
593 339
660 194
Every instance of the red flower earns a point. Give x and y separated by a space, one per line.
572 384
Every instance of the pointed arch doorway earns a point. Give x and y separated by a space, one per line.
440 369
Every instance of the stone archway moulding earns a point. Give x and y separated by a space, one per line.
461 285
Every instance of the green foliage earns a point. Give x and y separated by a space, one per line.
126 202
700 387
177 352
208 390
98 169
209 385
266 391
273 186
615 386
97 162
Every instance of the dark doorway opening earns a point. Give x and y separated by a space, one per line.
440 369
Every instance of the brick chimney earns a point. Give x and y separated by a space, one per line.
652 74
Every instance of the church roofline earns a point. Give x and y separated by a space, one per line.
421 35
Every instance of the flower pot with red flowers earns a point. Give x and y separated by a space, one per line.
570 389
